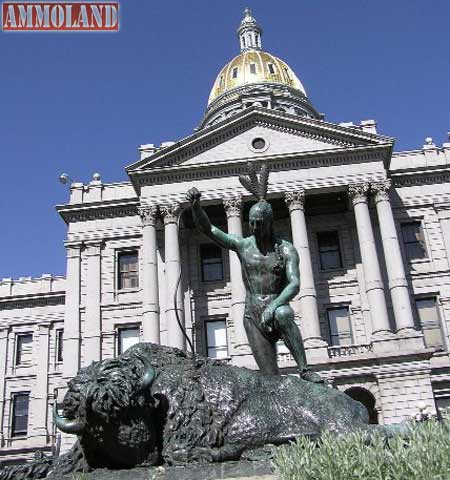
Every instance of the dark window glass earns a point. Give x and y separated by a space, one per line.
24 345
212 263
216 339
430 322
339 325
271 68
234 73
253 68
329 250
19 425
59 345
128 270
127 337
413 240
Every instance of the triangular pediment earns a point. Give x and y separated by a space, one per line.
234 139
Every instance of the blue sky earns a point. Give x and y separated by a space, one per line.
83 103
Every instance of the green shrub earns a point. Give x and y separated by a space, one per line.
422 454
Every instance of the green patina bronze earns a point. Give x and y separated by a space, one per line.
271 277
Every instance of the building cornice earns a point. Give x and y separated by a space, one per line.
98 210
32 301
420 176
281 162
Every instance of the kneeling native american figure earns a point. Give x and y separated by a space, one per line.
271 277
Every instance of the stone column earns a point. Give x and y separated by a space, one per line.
71 362
93 323
3 359
233 208
306 301
398 285
175 335
369 258
40 403
150 284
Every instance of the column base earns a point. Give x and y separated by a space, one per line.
316 350
384 341
410 339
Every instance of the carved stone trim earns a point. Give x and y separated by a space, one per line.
295 200
149 214
170 212
381 190
358 192
233 206
181 173
32 302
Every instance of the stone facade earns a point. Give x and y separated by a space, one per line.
372 228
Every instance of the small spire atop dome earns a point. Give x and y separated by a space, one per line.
249 32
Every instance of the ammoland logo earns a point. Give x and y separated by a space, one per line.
60 16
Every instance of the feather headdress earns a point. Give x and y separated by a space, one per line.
251 183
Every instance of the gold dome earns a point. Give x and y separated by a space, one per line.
252 67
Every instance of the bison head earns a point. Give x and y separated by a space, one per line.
110 407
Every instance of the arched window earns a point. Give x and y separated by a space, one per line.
367 399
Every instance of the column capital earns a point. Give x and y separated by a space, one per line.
358 192
381 189
93 248
149 214
170 212
295 200
233 206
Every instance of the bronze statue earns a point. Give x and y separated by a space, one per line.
271 277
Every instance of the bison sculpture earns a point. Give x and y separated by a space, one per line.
157 405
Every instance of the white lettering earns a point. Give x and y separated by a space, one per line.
10 18
42 16
111 16
68 16
97 15
26 16
83 17
57 16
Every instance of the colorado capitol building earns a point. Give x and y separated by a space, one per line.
372 228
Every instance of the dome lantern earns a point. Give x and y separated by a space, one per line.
249 32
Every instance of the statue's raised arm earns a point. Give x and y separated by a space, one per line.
203 223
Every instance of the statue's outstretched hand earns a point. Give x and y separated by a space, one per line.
193 196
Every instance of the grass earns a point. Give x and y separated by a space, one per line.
424 454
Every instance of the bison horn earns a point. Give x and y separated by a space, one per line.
65 425
149 374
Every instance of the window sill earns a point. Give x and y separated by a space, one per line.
419 261
127 290
333 270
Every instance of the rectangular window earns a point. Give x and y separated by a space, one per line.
271 68
234 72
339 325
216 339
24 348
211 262
128 270
413 240
329 250
127 337
253 68
19 426
430 322
59 345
